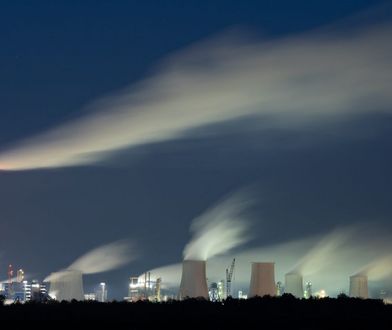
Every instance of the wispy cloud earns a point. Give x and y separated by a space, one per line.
295 80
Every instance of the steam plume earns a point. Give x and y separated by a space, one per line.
219 229
379 269
325 252
101 259
296 80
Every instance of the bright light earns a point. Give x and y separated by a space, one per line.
321 294
52 295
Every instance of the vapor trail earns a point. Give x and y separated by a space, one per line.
297 80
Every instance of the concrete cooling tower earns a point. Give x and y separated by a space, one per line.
359 286
193 280
294 285
67 285
262 281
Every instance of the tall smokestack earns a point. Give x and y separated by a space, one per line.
262 281
294 285
359 286
67 285
193 280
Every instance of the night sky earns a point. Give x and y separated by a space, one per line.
57 57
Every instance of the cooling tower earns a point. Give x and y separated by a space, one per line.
294 285
67 285
262 280
359 286
193 280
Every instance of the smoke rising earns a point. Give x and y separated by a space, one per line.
101 259
294 80
219 229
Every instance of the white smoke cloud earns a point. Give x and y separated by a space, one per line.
295 80
219 229
101 259
104 258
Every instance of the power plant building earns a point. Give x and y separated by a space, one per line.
193 280
294 285
67 285
262 281
359 286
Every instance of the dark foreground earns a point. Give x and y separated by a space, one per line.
283 312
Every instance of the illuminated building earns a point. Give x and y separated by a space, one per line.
279 288
134 291
241 295
142 287
308 290
20 276
26 291
102 293
213 292
38 291
221 290
90 296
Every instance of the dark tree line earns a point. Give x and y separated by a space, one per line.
279 312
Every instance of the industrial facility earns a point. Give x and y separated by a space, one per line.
193 282
68 285
144 288
18 289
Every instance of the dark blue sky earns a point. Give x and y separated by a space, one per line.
58 56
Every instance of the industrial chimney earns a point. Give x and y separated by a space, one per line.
193 280
66 285
359 286
294 285
262 281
